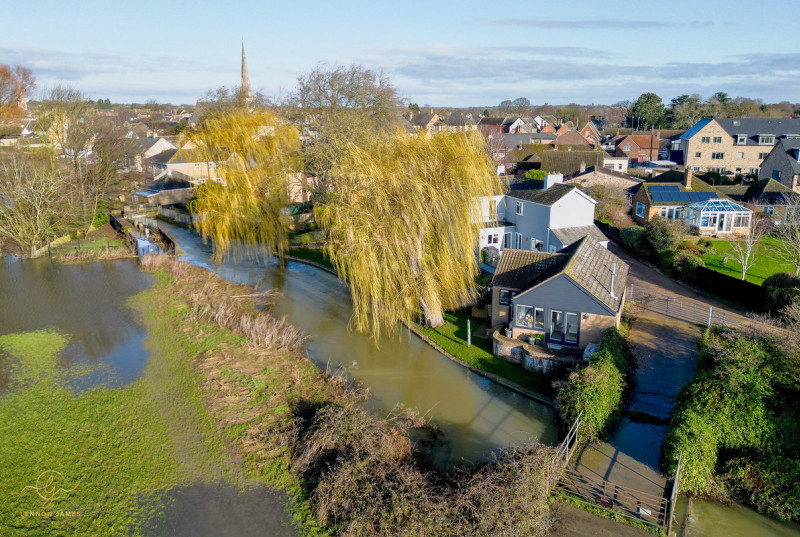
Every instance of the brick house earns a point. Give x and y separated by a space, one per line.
637 147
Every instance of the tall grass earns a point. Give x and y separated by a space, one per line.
351 473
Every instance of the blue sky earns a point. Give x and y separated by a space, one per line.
465 53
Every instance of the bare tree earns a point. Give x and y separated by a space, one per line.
33 206
746 249
788 233
15 84
341 105
93 146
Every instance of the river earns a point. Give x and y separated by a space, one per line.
475 415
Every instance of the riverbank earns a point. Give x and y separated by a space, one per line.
297 428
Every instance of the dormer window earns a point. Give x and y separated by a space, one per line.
766 139
741 138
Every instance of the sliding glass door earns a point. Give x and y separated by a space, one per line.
564 327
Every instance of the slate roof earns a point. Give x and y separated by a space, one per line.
164 156
422 120
492 121
752 127
457 119
694 129
569 235
517 268
542 197
787 145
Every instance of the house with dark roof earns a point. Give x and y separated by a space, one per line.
570 297
427 122
535 215
767 197
187 161
455 122
567 160
734 145
649 201
783 163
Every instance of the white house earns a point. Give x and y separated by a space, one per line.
547 218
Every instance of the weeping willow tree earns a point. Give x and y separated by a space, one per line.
401 229
255 154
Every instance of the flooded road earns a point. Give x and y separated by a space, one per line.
475 415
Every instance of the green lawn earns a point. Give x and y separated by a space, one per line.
767 262
452 337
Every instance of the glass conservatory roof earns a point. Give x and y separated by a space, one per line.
717 206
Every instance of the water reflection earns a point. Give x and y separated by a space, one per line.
707 519
86 302
476 416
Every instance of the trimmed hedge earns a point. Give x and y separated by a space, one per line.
597 389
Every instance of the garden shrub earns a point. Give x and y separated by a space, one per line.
780 290
631 237
657 236
691 247
597 389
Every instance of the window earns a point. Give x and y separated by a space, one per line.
762 156
671 213
626 147
766 139
537 245
741 220
739 155
776 174
538 318
717 156
705 139
640 209
519 207
524 316
741 138
507 240
738 170
571 330
196 165
518 241
718 170
698 155
717 139
769 209
505 297
755 170
493 239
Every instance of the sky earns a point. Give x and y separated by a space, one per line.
439 53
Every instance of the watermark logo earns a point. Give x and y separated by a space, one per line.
50 486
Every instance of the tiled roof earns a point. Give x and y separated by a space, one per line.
540 196
164 156
491 121
591 266
568 235
517 268
567 162
767 192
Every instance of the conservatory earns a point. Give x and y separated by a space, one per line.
718 217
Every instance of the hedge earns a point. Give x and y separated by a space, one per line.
597 389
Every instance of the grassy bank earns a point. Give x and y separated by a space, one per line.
294 427
452 337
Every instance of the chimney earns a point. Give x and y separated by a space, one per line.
583 167
687 178
552 178
613 277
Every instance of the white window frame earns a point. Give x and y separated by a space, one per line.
518 241
640 209
698 155
626 147
740 154
519 208
741 138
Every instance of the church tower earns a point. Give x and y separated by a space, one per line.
246 90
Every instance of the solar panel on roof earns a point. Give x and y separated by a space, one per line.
665 188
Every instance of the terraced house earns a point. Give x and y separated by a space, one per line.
734 145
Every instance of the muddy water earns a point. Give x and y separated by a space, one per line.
86 302
708 519
475 416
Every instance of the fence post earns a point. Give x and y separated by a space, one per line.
49 252
710 318
668 304
674 495
469 333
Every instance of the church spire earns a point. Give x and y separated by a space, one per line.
246 91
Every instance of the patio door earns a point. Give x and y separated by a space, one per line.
564 327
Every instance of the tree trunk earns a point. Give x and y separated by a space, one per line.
434 316
797 270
